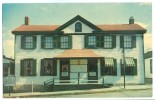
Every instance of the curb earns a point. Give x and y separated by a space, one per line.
78 92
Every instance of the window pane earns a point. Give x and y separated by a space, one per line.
78 27
29 42
127 42
28 67
92 41
64 42
48 42
107 41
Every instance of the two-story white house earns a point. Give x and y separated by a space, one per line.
78 52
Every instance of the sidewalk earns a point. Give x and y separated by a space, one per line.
75 92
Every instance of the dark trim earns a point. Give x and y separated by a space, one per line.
78 17
62 33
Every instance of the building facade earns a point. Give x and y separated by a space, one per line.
148 66
80 50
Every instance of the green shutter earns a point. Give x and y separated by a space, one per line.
113 41
70 41
42 68
134 41
55 67
102 41
135 67
34 67
22 42
115 66
21 67
34 42
42 41
102 62
56 41
86 41
121 41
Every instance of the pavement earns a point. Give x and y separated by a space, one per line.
76 92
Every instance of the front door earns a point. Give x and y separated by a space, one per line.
64 69
92 69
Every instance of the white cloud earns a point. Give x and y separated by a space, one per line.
147 41
8 48
142 24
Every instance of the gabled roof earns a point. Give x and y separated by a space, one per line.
36 28
121 27
148 54
78 17
100 28
78 53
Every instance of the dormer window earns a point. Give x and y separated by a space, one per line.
78 27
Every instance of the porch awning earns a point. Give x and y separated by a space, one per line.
78 53
129 62
109 62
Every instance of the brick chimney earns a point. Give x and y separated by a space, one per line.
27 21
131 20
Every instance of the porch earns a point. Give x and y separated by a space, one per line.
78 83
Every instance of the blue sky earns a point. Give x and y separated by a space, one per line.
59 13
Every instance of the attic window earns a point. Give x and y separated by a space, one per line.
78 27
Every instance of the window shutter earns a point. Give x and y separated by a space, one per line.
34 42
57 41
121 41
42 41
115 66
135 67
21 67
55 67
113 41
34 67
134 41
70 42
22 42
86 41
42 68
102 66
102 41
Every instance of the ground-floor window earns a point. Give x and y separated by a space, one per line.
48 67
108 66
28 67
130 66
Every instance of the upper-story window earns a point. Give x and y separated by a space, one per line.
64 42
100 41
28 42
49 42
53 42
78 27
128 41
92 41
107 41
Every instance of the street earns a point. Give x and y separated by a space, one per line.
136 93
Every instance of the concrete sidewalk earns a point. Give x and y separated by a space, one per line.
76 92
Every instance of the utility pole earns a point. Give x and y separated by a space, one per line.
124 64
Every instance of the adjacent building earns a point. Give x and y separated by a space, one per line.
148 66
78 52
